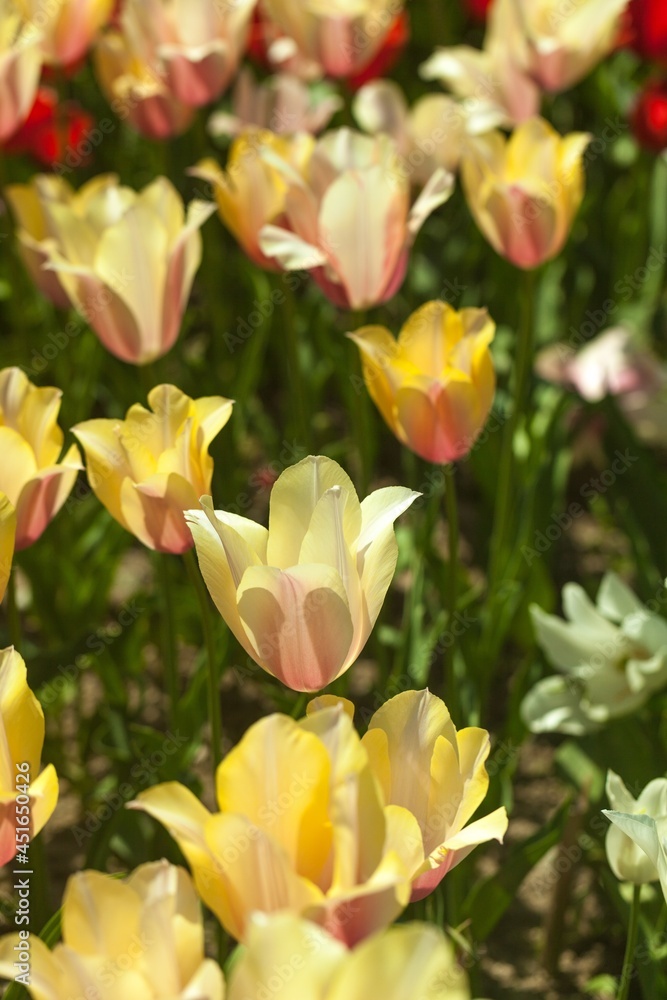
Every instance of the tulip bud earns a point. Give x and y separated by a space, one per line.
151 467
434 386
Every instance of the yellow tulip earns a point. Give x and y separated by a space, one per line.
297 960
141 939
7 541
524 192
32 477
355 184
27 798
251 192
126 260
20 66
303 596
301 826
67 27
151 467
434 386
438 774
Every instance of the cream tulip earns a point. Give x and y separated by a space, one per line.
27 797
303 596
127 260
626 859
302 827
434 386
252 191
151 467
20 67
524 192
33 476
350 221
438 774
140 938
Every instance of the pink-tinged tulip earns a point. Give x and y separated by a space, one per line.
428 135
7 541
301 827
436 773
27 797
151 467
434 386
141 938
407 962
303 596
195 44
524 192
34 239
252 191
135 88
33 477
282 104
127 260
20 67
68 27
350 221
343 37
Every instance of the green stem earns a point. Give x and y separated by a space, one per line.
451 508
524 358
213 680
631 945
13 617
169 647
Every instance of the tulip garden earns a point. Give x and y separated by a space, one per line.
333 479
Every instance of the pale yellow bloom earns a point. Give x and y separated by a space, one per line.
626 858
140 939
252 191
27 797
151 467
33 476
434 386
67 27
524 192
20 66
7 540
303 596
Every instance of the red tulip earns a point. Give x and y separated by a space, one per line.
648 28
649 117
50 130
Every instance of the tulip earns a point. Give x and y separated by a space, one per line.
126 260
425 766
21 741
283 104
52 130
648 27
404 963
303 596
557 45
342 37
142 937
626 859
32 476
428 135
195 46
350 221
68 27
525 191
7 539
20 66
151 467
649 117
135 88
302 827
649 835
34 238
434 386
612 657
252 191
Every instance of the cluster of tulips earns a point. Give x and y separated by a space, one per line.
322 837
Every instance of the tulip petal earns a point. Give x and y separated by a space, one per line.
154 511
299 621
43 496
437 190
7 538
44 971
18 463
182 814
92 905
106 462
382 368
43 798
379 510
615 601
565 645
554 706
